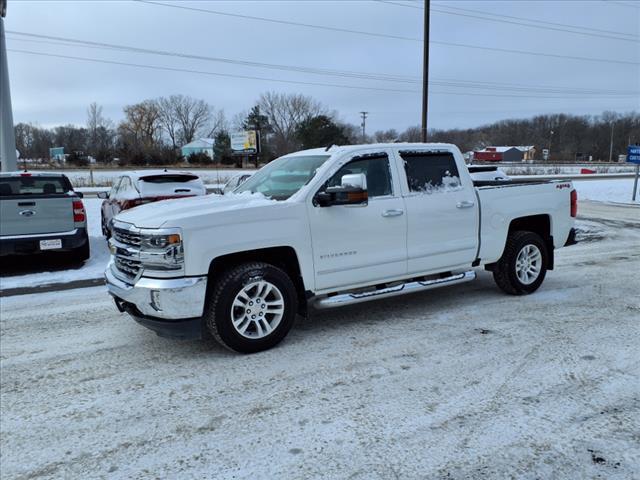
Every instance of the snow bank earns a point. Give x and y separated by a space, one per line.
613 191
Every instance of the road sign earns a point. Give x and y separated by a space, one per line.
633 154
245 142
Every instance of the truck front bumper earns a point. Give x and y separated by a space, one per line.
171 307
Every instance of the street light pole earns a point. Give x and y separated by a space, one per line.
425 70
8 155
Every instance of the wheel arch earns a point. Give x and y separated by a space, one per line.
283 257
540 224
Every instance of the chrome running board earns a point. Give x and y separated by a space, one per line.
410 287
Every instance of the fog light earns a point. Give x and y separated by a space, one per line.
155 300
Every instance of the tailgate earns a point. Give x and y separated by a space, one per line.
33 216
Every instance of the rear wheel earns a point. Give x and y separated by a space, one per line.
252 307
523 265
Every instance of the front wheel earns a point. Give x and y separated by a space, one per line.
252 307
523 265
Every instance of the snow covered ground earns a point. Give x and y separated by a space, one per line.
82 178
614 191
457 383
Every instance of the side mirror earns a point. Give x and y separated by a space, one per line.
352 191
103 195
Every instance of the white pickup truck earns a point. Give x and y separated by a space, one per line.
330 227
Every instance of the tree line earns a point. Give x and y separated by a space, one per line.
151 132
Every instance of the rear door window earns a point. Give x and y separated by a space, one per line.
431 172
19 186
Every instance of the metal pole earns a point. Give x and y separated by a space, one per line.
425 70
611 144
8 155
635 182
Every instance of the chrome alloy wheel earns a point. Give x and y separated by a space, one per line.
257 309
528 264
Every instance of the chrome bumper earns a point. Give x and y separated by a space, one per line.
167 298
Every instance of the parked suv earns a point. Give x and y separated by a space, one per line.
137 188
40 212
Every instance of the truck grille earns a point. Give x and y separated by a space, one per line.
127 237
125 260
126 265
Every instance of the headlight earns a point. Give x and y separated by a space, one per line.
162 251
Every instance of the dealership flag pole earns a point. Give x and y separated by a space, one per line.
8 155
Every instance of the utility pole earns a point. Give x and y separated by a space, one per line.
363 125
611 143
8 155
425 70
550 140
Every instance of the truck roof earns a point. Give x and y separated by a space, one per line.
355 148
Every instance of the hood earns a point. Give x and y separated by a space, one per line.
178 212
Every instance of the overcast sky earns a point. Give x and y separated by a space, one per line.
50 90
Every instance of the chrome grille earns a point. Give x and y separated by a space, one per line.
127 237
126 265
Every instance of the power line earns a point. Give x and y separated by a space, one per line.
498 20
249 77
279 21
111 46
577 27
501 86
396 37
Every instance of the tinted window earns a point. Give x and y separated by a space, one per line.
33 185
169 178
431 171
376 169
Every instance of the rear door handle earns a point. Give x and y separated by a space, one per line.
465 204
392 213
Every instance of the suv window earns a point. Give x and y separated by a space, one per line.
431 172
34 185
376 169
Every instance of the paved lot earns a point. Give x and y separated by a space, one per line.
462 382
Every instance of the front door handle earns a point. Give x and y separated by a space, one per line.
465 204
392 213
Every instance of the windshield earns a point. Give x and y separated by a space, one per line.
283 177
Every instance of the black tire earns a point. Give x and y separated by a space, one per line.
504 272
218 311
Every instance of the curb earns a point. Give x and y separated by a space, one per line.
52 287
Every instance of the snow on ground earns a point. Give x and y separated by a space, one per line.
82 178
459 383
614 191
93 268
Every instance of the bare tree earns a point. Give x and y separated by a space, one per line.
183 118
285 113
411 134
141 126
100 133
385 136
217 123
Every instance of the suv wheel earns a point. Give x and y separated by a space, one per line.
252 307
523 265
